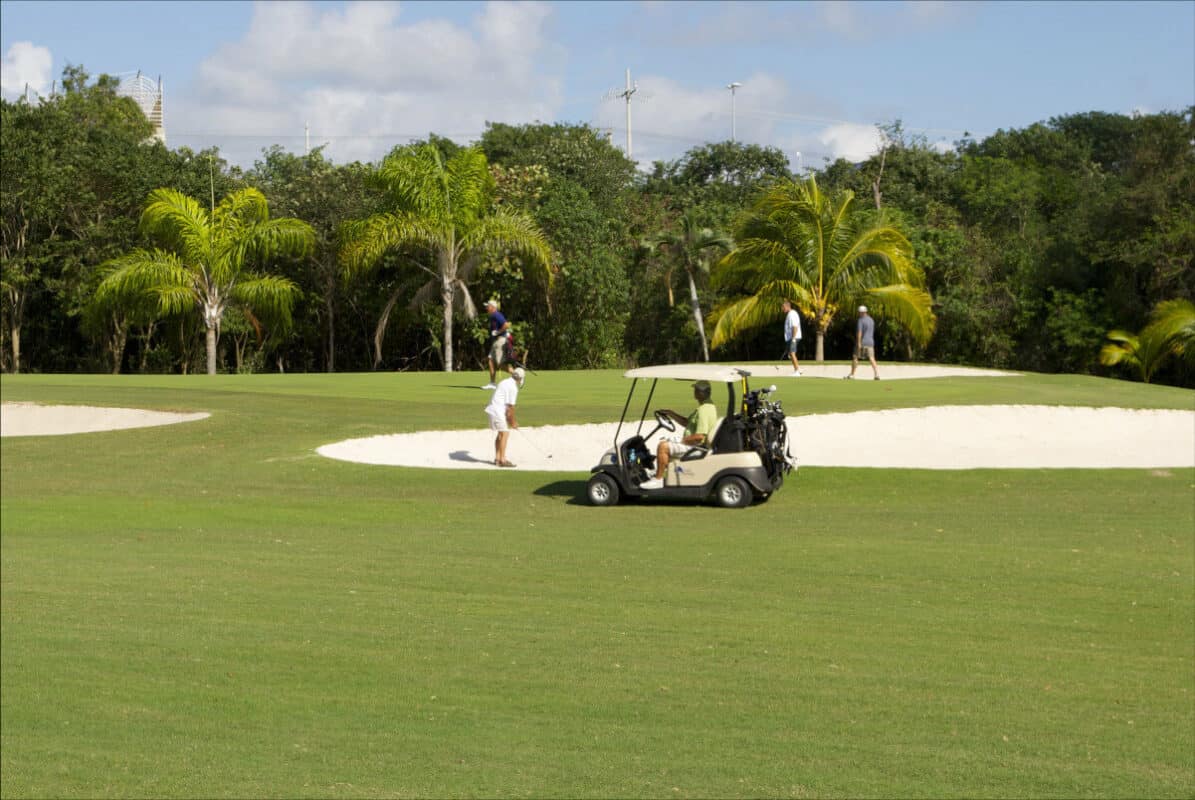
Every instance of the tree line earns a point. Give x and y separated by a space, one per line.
1066 246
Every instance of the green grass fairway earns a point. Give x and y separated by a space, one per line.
212 610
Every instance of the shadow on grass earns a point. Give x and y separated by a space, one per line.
574 491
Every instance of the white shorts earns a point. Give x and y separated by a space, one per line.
497 421
677 448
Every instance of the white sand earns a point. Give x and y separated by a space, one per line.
31 419
888 372
941 437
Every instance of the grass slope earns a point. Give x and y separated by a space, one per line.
209 609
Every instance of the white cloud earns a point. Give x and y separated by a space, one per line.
25 64
668 119
366 81
850 140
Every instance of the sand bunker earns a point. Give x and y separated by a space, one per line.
941 437
31 419
888 372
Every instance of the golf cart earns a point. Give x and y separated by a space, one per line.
745 458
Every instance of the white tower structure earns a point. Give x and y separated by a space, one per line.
148 96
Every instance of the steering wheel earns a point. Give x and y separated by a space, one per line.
666 422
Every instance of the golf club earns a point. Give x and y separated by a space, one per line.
527 438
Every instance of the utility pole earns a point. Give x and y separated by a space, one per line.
626 93
306 138
732 87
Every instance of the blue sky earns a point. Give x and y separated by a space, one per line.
816 76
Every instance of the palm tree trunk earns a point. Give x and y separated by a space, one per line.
14 335
705 351
446 295
212 349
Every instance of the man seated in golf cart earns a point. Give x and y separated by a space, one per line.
698 427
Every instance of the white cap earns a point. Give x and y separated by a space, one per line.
520 375
491 302
862 309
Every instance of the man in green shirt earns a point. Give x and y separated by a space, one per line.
698 427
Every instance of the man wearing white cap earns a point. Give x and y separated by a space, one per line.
865 343
496 346
501 412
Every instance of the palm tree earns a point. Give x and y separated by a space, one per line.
817 251
442 210
1170 331
690 249
1175 321
206 260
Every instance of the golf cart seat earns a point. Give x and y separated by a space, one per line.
724 438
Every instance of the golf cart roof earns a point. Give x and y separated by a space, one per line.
715 373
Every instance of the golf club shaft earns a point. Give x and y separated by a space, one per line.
527 438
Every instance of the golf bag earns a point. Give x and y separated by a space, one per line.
766 432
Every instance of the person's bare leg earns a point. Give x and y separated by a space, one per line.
661 459
489 362
500 447
793 357
874 369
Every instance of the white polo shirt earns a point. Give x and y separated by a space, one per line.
507 394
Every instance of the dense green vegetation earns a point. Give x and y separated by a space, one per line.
210 609
1033 244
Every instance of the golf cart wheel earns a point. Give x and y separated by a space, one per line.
602 490
733 492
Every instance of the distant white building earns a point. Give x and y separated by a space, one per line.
148 96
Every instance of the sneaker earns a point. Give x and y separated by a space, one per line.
490 386
652 483
797 373
848 377
877 377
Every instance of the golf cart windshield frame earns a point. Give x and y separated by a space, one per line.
684 372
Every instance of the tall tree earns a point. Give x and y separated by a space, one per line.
441 215
690 247
824 255
66 166
208 260
326 195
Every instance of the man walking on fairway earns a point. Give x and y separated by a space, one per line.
496 345
865 343
792 334
501 412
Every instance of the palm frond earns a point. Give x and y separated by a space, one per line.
751 313
511 232
179 222
241 209
1174 321
270 297
141 275
268 239
366 241
426 294
910 307
416 182
469 184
